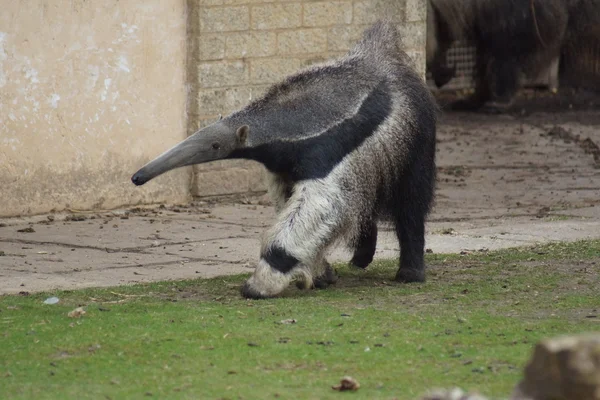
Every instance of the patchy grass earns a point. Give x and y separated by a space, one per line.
472 324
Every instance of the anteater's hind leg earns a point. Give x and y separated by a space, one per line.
415 193
365 248
410 230
503 81
295 245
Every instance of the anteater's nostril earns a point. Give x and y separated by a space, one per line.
136 179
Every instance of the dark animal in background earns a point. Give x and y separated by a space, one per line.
514 39
346 144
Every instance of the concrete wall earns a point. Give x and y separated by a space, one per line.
242 46
89 91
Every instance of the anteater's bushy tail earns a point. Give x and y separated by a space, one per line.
382 40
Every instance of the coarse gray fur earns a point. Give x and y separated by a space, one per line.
345 143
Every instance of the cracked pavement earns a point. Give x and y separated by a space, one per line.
502 182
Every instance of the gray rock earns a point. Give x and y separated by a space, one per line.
564 368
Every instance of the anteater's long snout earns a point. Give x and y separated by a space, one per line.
214 142
179 156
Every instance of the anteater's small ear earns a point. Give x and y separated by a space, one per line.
242 134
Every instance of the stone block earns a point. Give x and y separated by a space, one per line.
343 38
276 16
413 35
369 11
222 101
211 47
258 90
210 2
273 69
418 61
416 10
327 13
302 41
240 2
224 19
222 74
251 44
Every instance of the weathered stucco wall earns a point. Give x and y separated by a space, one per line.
89 91
242 46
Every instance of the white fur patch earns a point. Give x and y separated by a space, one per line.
268 282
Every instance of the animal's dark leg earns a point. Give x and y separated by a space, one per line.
503 81
442 74
410 230
367 243
415 195
440 71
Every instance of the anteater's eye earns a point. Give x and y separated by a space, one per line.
216 146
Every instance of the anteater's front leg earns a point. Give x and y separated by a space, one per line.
295 245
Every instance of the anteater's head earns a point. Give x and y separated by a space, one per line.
215 142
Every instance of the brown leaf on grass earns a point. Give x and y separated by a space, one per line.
76 313
347 383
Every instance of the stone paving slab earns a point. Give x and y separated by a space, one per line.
502 182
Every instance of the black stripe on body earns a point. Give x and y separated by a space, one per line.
280 259
317 156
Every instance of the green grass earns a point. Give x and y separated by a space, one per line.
473 324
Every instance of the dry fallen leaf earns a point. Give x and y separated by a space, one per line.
347 383
76 313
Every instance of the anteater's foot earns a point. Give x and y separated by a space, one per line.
329 277
406 275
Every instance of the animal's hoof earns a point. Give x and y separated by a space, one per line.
410 275
250 293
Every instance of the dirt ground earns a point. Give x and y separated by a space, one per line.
527 177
